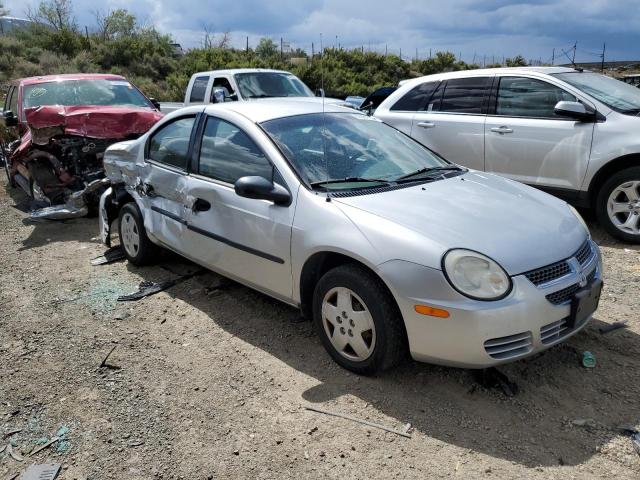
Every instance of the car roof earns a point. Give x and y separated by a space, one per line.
271 108
490 71
232 71
67 77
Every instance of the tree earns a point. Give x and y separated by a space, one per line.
517 61
57 14
267 49
116 23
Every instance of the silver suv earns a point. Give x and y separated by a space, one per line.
572 133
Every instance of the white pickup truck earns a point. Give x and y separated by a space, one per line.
242 84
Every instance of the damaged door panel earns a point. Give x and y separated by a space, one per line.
64 125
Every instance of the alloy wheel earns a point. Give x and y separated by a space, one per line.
623 207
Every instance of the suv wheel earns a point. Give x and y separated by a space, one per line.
138 249
618 205
358 321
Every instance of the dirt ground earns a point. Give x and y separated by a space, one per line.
212 383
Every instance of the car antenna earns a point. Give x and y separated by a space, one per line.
324 123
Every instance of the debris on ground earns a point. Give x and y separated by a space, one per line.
588 360
45 471
613 326
110 256
42 447
355 419
493 378
16 456
104 363
148 288
12 432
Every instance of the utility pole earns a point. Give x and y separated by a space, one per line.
429 53
313 52
400 53
247 43
86 31
386 50
604 48
281 51
473 62
416 54
575 47
553 57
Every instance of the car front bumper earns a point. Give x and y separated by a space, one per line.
480 334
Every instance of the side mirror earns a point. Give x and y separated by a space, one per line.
262 189
574 110
10 120
320 92
218 95
155 103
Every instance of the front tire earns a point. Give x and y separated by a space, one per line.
137 247
618 205
358 320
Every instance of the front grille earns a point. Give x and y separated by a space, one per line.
549 273
585 253
509 347
554 331
566 294
557 270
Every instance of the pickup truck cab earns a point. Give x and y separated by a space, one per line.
241 84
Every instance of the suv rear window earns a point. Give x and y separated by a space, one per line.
416 99
465 95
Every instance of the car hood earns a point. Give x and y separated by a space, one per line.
518 226
101 122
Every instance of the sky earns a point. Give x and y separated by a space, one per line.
480 30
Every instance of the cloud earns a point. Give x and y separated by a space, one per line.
471 27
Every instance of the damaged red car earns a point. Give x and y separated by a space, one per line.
59 127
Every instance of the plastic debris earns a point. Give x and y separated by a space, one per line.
104 363
16 456
147 288
45 471
613 326
588 360
111 255
42 447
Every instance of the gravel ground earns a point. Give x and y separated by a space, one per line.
209 382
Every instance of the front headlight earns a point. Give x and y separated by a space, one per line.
580 219
475 275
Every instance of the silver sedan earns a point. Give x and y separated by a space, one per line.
387 247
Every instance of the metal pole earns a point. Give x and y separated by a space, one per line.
247 43
553 57
604 48
281 53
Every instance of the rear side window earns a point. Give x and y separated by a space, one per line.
170 144
198 89
227 153
529 97
416 99
465 95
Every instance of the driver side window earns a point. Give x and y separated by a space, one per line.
529 97
227 153
170 144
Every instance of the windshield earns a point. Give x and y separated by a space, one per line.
116 93
349 150
271 84
613 93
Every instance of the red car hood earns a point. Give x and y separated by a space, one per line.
93 121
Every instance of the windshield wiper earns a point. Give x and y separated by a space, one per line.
425 170
347 180
263 95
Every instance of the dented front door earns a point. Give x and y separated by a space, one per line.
163 181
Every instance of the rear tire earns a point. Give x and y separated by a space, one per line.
137 247
618 205
358 320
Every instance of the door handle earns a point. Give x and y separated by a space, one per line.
426 124
200 205
502 130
